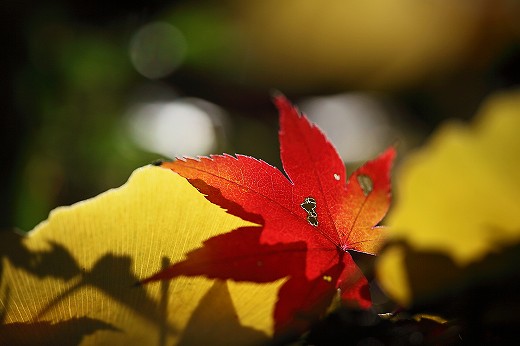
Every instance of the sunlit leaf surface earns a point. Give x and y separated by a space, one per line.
76 271
312 217
458 197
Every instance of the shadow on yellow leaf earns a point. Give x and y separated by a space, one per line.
67 332
457 205
203 327
76 271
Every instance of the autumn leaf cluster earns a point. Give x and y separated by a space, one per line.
233 250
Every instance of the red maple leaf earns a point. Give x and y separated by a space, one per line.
311 220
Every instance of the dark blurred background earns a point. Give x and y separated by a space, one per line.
93 89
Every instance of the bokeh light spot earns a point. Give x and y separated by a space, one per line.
357 124
171 129
157 49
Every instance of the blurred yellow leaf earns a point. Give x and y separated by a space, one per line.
365 43
72 277
459 196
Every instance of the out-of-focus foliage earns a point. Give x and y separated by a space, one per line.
457 207
309 44
75 70
75 90
72 277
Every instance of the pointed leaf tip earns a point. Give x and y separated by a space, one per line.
387 158
389 154
283 104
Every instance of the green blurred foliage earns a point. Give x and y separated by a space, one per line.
213 42
70 81
74 87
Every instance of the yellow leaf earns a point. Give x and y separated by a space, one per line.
371 44
75 272
459 196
